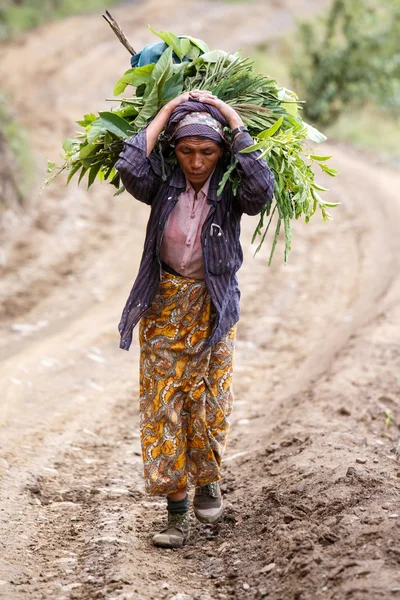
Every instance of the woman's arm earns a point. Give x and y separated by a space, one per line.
138 166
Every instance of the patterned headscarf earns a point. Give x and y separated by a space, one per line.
195 118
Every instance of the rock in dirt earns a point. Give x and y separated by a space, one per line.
271 449
180 596
164 585
361 460
223 547
301 486
287 443
268 568
110 540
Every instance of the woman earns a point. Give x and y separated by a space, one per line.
186 296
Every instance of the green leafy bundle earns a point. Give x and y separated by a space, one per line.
272 115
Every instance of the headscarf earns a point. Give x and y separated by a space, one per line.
195 118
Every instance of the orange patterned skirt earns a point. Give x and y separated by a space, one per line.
185 394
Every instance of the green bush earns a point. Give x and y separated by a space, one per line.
348 58
16 163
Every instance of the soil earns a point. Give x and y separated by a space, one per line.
310 477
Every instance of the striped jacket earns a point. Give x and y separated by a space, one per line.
222 252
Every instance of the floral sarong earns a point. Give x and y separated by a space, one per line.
185 394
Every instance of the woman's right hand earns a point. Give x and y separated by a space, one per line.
172 104
194 94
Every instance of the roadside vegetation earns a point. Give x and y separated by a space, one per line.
346 64
16 162
19 15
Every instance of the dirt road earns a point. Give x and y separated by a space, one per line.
310 475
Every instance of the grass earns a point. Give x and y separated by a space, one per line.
369 128
16 17
27 14
18 145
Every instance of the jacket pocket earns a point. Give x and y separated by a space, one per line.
220 252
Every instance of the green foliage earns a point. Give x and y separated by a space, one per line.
18 145
271 113
348 58
20 15
355 127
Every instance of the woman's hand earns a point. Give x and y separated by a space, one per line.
172 104
207 97
194 94
226 111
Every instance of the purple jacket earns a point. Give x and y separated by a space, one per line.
222 252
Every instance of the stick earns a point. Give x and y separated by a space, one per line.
118 32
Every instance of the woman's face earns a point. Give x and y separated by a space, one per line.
197 158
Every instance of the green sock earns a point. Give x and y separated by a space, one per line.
178 507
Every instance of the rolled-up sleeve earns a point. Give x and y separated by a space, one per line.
257 180
140 174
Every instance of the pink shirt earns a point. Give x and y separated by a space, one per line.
181 244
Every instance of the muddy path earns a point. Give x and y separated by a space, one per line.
310 475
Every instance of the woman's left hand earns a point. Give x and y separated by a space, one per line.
226 111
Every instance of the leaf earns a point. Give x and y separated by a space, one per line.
148 110
226 177
93 172
186 47
82 173
291 108
116 125
213 56
115 181
199 43
270 132
253 148
87 150
276 235
329 170
331 204
173 86
147 90
69 144
265 232
171 40
314 135
119 191
127 111
193 52
134 77
50 166
72 171
163 65
119 87
320 187
87 120
95 132
319 158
